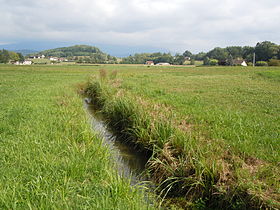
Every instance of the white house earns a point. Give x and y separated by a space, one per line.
238 62
150 63
53 59
26 62
244 63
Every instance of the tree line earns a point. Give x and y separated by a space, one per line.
141 58
264 52
9 56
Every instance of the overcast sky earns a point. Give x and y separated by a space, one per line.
175 25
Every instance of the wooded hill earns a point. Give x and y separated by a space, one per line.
77 50
80 53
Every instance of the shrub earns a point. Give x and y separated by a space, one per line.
274 62
213 62
261 63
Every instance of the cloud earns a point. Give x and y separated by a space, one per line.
176 25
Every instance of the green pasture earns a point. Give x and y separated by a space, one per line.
50 158
218 125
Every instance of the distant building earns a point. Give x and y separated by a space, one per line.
150 63
53 59
26 62
163 64
238 62
37 56
63 59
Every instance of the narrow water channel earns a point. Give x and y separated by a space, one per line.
130 162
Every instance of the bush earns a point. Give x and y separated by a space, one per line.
261 63
213 62
274 62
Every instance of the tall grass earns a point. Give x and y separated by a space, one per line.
187 160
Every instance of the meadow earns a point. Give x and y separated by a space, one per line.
213 133
50 158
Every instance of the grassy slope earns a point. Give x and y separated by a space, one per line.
231 115
49 156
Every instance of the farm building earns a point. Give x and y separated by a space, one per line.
150 63
239 62
53 59
26 62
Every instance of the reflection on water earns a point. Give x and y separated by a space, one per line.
130 162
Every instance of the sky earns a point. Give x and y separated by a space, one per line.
141 25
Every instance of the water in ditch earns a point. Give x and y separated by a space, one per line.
130 162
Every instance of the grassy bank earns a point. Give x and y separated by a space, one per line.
213 132
50 159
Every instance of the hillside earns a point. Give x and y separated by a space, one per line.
77 50
25 52
80 54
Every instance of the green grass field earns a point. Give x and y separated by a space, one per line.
210 128
50 159
214 133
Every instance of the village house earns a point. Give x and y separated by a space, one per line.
238 62
150 63
62 59
37 56
26 62
53 59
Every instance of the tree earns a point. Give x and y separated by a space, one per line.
5 56
200 56
278 54
266 50
179 59
234 51
219 54
21 57
248 53
164 58
13 56
187 54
